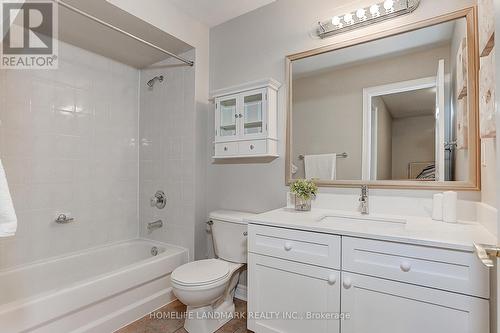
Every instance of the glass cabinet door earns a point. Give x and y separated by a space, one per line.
228 117
253 113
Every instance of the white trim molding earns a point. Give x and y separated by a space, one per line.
368 94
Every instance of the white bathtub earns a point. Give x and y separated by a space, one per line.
96 290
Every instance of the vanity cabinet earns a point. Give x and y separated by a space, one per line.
246 120
377 286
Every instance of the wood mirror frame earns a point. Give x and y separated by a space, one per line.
473 184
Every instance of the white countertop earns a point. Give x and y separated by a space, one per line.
417 230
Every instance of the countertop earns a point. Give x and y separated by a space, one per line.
417 230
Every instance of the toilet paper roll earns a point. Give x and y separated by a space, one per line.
450 199
437 207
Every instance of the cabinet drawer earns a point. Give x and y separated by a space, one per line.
226 149
455 271
252 147
301 246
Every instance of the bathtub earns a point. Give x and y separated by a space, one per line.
96 290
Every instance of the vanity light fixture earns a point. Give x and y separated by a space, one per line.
377 12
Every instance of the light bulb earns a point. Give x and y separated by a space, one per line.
336 20
361 14
375 10
348 18
389 5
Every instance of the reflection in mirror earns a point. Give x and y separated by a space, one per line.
390 109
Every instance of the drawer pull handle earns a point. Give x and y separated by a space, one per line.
332 279
225 148
347 283
288 246
405 266
252 147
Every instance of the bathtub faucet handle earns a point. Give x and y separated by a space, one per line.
159 200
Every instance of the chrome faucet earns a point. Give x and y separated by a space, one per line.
363 199
155 225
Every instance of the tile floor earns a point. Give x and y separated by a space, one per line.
176 324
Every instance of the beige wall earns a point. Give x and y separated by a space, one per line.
328 106
412 141
384 139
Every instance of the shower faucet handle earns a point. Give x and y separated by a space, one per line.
159 200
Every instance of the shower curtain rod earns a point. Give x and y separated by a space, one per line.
95 19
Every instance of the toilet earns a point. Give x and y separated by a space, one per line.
207 286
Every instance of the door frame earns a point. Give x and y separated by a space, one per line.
386 89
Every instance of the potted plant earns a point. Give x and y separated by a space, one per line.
305 191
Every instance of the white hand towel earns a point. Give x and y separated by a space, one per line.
8 219
321 166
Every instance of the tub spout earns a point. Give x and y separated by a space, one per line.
155 225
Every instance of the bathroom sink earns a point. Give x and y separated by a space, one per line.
361 218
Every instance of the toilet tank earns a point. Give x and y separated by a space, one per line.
229 233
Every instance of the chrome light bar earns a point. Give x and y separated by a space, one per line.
365 16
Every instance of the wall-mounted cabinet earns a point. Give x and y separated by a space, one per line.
246 120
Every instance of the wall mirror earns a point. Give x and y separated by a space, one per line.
395 109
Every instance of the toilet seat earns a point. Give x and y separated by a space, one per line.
201 273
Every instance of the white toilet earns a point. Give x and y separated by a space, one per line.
207 286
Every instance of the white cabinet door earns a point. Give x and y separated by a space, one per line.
227 118
253 114
378 305
284 295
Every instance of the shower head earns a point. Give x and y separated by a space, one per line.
151 82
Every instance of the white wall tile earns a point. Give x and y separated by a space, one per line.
68 140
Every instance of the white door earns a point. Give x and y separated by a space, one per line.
378 305
288 297
440 122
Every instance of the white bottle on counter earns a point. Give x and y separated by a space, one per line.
437 207
450 199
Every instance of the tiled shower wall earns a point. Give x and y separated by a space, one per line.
68 141
167 153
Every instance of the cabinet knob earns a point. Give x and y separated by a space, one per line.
252 147
332 279
405 266
225 148
347 283
288 246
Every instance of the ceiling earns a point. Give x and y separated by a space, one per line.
406 42
215 12
80 31
411 103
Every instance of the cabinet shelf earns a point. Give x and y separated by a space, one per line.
253 124
228 127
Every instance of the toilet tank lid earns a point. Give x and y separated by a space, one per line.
230 216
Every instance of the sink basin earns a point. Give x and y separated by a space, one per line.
361 218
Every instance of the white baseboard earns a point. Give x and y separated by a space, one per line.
241 292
